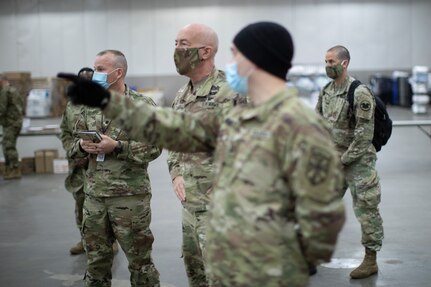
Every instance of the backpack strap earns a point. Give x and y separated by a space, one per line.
351 93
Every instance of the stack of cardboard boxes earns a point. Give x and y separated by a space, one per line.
44 161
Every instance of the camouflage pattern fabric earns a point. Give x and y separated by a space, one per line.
79 197
197 169
193 247
353 136
123 173
125 219
71 123
277 175
11 117
117 202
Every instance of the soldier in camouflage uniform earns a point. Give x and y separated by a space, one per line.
193 173
117 187
353 135
277 171
74 183
11 117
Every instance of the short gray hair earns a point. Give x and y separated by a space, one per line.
119 61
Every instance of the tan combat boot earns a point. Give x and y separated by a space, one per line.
77 249
368 267
12 172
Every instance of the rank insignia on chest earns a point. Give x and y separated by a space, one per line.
210 104
214 90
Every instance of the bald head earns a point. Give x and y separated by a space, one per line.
197 35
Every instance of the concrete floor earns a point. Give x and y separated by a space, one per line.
37 226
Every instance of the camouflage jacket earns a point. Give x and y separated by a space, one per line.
278 175
352 135
11 107
71 122
123 173
197 168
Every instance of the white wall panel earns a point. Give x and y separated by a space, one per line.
315 29
51 54
118 25
395 47
355 27
141 57
46 36
8 36
28 36
165 31
73 29
420 35
95 33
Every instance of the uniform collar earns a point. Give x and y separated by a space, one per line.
202 88
342 89
264 111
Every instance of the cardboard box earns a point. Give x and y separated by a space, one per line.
39 161
61 165
27 165
44 160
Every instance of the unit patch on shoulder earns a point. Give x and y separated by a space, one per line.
365 105
317 167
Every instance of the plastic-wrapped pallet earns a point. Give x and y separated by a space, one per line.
38 103
419 82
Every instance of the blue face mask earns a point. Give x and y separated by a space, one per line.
236 82
102 79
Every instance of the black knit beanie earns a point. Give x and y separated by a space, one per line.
268 45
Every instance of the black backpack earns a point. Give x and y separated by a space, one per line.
382 122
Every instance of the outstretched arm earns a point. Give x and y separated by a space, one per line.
173 130
162 127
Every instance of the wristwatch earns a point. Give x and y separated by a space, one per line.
119 147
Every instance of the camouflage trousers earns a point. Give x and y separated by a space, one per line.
362 180
79 197
193 248
10 135
127 220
